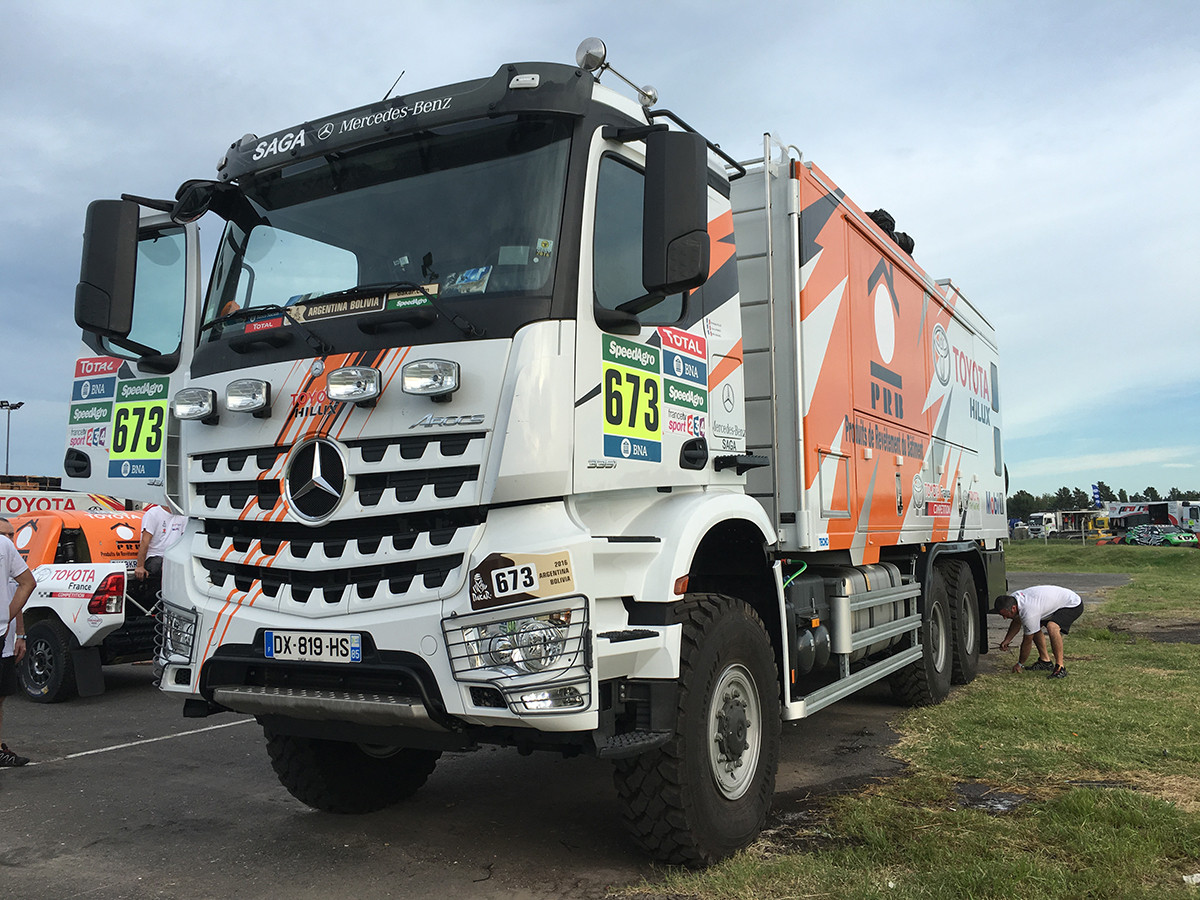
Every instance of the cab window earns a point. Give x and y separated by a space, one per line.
158 295
617 243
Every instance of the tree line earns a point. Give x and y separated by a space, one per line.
1022 503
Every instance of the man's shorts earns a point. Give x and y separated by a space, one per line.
1064 617
8 676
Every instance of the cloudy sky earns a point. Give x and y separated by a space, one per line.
1042 154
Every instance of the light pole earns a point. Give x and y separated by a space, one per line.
8 408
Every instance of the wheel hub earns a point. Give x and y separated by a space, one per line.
732 727
40 663
734 731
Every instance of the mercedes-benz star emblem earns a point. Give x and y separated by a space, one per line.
315 480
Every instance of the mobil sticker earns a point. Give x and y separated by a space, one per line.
94 388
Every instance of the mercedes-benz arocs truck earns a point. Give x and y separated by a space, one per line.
515 412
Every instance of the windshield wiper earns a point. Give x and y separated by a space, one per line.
462 323
253 312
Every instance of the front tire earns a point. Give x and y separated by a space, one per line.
341 777
964 622
47 671
706 793
927 681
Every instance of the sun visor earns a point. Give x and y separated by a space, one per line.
517 87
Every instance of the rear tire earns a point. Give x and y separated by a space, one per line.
927 681
47 671
706 793
341 777
964 621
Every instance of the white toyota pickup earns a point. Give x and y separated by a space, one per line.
87 610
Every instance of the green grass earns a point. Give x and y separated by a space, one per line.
1126 713
1063 556
1107 761
1166 580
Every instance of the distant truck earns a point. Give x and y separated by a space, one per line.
1043 523
86 611
1184 513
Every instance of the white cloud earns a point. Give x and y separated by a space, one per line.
1103 462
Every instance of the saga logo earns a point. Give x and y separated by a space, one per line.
432 421
280 144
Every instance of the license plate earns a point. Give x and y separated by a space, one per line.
313 646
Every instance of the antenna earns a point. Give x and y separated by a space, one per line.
394 83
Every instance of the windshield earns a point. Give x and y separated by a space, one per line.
437 219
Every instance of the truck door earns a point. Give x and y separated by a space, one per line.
645 391
119 425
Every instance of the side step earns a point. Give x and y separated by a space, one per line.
621 746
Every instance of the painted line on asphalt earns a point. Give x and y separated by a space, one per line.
155 740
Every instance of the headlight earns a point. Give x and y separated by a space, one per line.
353 384
551 701
523 645
436 378
195 403
249 395
178 634
537 657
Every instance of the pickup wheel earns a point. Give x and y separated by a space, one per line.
47 672
927 681
340 777
964 622
706 793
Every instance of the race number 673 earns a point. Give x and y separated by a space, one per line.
138 429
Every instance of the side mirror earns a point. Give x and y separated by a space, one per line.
675 248
104 295
192 201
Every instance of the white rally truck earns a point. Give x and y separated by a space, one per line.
515 412
86 611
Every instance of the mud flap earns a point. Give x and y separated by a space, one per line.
89 674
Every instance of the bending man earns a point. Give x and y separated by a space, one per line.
1046 606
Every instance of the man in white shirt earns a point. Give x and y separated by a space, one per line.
1045 606
16 584
161 530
